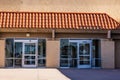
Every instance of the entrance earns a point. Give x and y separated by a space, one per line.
75 53
25 52
29 52
80 53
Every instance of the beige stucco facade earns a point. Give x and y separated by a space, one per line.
107 53
110 52
2 52
111 7
109 48
52 53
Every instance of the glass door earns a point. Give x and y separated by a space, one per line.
84 54
81 53
29 54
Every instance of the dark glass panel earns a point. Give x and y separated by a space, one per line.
84 48
96 47
9 63
41 48
41 62
73 50
9 48
84 58
18 62
64 47
41 52
18 50
64 63
65 53
73 62
97 62
84 62
96 57
81 48
29 62
87 48
29 57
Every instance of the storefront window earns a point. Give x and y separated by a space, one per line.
18 54
18 51
96 57
64 53
9 63
41 53
9 52
80 53
9 48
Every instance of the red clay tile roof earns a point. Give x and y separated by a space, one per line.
46 20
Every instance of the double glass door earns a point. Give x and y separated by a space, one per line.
80 53
25 52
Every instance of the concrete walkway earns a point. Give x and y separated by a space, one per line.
31 74
92 74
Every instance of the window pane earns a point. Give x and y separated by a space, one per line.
9 63
30 48
97 62
18 63
42 47
29 57
29 62
96 57
18 50
41 53
96 46
64 47
73 62
64 53
64 63
73 50
84 62
9 48
84 58
41 62
84 49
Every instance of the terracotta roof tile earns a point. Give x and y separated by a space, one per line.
54 20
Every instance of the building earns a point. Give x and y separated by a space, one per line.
60 40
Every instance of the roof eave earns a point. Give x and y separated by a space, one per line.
22 30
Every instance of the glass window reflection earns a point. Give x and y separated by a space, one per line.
18 50
9 48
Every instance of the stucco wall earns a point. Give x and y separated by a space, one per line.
117 53
52 53
107 54
111 7
2 53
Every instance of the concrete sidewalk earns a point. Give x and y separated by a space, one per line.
31 74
